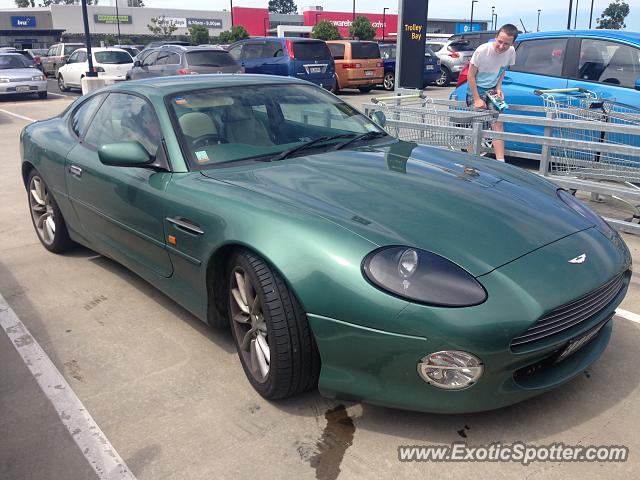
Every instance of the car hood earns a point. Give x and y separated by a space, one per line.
476 212
12 73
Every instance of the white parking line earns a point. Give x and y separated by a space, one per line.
16 115
634 317
61 95
95 446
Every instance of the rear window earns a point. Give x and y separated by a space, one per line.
69 49
311 51
113 57
210 58
364 50
337 50
459 47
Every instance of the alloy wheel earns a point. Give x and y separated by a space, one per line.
389 81
249 325
42 210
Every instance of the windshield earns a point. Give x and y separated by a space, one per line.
112 57
8 62
69 49
260 122
364 50
210 58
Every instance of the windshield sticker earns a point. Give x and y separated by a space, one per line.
201 156
180 100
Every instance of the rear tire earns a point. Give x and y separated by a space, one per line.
46 216
445 77
365 89
272 335
336 86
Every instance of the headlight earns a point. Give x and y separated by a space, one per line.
579 207
450 370
422 277
38 78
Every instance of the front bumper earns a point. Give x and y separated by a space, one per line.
379 367
22 88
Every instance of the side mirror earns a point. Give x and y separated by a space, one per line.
638 84
379 118
137 63
124 154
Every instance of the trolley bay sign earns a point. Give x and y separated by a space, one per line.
412 29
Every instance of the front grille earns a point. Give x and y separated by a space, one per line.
25 79
571 314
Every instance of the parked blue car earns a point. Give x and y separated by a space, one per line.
430 73
606 62
303 58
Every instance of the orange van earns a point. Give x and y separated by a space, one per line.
358 64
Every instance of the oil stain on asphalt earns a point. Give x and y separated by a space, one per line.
336 438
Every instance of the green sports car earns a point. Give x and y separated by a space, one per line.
341 258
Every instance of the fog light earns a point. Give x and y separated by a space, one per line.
450 370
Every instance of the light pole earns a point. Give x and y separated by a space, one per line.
570 12
353 18
575 19
231 2
384 20
87 39
538 27
492 15
118 21
471 22
591 15
264 24
496 22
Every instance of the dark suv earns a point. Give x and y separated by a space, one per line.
179 60
303 58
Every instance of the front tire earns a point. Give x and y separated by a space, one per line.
445 77
389 81
46 216
272 335
61 85
365 89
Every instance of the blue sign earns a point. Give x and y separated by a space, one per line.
466 27
24 22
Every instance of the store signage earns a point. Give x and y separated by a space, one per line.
205 22
112 19
413 24
23 22
466 27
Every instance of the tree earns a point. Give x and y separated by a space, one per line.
325 30
282 6
46 3
25 3
199 34
613 16
362 29
162 26
237 32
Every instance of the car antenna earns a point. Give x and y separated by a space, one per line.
523 27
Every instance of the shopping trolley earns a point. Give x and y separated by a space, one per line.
422 119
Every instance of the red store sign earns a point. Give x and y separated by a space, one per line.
343 21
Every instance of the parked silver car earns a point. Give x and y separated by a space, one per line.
453 56
181 60
19 75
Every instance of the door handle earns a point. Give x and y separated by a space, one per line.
75 171
507 81
186 225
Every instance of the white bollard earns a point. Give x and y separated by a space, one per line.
90 84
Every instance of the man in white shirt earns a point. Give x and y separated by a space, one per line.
486 72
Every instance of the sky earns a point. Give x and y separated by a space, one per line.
552 17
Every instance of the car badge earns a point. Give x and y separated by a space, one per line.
579 259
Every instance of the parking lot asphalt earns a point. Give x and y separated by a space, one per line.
170 395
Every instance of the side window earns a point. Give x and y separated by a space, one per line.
337 50
252 50
162 58
236 52
51 52
73 58
59 50
609 62
81 116
82 57
125 118
150 59
173 59
272 49
542 57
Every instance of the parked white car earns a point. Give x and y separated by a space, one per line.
109 63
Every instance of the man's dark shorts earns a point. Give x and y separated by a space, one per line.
483 96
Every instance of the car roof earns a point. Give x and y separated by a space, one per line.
176 84
633 37
293 39
102 49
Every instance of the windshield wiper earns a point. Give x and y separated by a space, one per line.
310 143
362 136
